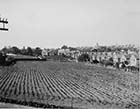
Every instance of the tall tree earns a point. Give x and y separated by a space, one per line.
38 51
5 50
23 51
29 51
15 50
64 47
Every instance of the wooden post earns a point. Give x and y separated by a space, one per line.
139 68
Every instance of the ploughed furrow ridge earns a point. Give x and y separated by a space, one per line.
4 82
60 82
9 85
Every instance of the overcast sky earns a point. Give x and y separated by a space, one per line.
53 23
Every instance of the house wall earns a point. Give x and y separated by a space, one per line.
133 61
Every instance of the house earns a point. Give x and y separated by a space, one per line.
122 58
98 56
134 60
53 52
64 51
74 54
45 52
103 57
49 52
109 54
115 57
93 57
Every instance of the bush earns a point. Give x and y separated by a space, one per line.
2 58
83 58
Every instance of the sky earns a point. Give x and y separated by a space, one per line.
53 23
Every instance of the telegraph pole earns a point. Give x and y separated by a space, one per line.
4 22
138 68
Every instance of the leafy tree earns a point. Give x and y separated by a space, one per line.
37 51
2 58
111 59
15 50
84 58
108 49
23 51
29 51
64 47
94 50
72 48
5 50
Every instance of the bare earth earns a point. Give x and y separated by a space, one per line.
68 84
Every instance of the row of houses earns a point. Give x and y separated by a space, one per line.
67 52
131 57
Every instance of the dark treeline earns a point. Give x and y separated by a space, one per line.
24 51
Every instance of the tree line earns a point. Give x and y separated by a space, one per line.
24 51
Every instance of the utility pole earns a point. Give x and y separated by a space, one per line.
3 21
139 66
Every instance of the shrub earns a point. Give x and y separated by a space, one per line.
84 58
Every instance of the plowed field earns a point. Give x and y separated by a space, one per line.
66 85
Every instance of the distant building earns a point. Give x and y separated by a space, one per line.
123 58
49 52
134 60
45 52
64 51
115 58
93 57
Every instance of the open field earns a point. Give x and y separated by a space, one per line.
67 84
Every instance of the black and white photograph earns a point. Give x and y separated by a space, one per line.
69 54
